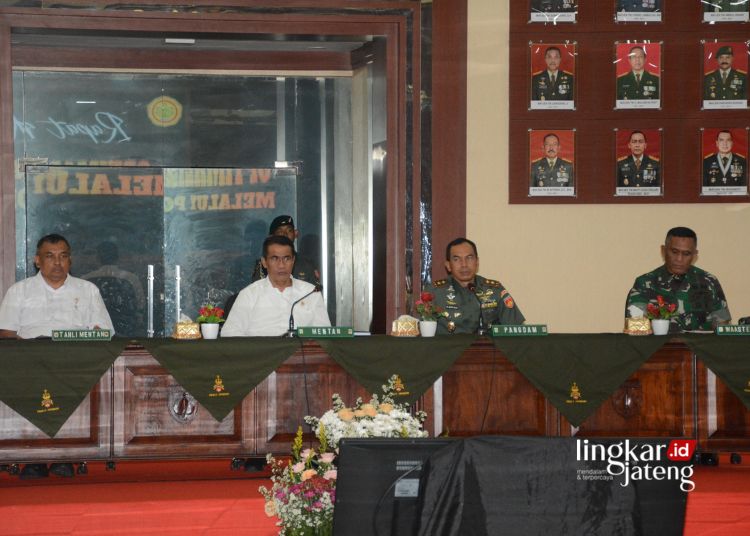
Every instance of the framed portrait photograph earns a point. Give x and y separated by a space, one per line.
638 10
639 167
638 70
725 10
724 156
553 68
724 75
552 163
553 11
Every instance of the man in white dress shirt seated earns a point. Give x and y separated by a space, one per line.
263 308
52 299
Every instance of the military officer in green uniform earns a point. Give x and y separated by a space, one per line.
724 167
700 300
304 268
725 6
552 83
725 83
551 170
638 169
638 83
470 301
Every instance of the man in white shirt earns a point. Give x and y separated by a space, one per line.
52 299
264 307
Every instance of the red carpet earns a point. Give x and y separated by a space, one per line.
186 498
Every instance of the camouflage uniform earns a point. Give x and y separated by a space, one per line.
700 300
462 307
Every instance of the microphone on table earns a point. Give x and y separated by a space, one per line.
290 333
481 330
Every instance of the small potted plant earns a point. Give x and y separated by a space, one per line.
659 313
428 314
209 318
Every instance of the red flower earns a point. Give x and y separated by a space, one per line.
426 297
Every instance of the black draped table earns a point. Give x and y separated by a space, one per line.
246 395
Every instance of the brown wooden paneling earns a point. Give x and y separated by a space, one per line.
449 57
724 421
656 401
594 119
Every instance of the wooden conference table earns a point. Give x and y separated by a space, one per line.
243 397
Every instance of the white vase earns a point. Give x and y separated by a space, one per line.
427 328
210 331
660 326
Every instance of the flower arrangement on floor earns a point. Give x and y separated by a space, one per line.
304 488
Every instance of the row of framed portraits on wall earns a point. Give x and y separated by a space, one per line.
556 11
638 75
638 170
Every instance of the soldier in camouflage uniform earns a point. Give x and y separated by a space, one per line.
466 297
700 300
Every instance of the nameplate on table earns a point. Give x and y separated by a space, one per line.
733 329
83 335
337 332
520 330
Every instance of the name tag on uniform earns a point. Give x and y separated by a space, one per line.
520 330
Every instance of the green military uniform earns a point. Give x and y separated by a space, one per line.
646 174
699 297
638 6
304 269
718 172
462 306
545 175
543 88
628 88
734 87
724 6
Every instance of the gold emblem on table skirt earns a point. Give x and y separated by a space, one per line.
399 387
219 388
47 403
576 396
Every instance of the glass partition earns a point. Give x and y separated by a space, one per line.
188 170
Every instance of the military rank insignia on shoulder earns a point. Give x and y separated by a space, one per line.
440 283
492 283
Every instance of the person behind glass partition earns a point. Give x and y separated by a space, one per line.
551 170
264 308
638 83
700 300
52 299
725 82
468 297
552 83
638 168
